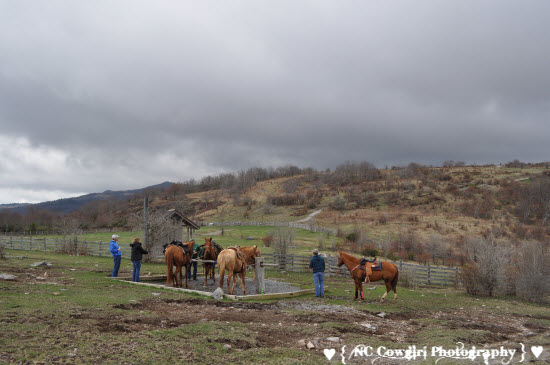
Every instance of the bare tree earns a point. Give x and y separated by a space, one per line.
436 247
70 229
159 230
487 264
533 282
283 237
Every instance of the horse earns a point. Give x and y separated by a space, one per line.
250 254
175 255
389 274
210 253
233 260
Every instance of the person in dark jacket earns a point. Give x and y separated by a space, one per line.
137 255
317 265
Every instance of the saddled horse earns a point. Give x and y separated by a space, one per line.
233 260
210 253
389 274
177 254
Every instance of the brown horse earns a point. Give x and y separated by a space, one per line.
389 274
175 255
210 253
250 254
233 260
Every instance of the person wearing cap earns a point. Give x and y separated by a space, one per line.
317 265
117 255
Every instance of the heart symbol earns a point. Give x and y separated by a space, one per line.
536 350
329 353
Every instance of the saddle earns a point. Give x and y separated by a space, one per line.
376 264
240 257
185 248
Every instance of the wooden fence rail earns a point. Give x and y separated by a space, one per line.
419 274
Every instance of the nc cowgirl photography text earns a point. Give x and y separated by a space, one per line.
438 354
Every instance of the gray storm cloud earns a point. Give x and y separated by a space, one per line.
129 93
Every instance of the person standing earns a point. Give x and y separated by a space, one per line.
317 265
196 249
117 255
137 255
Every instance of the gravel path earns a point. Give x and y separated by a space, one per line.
271 286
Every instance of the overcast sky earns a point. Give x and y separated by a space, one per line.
98 95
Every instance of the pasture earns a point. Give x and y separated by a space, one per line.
72 312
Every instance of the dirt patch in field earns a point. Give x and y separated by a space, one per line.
278 322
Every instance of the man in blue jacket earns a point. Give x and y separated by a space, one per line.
117 255
317 265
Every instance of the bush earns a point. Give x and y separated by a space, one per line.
267 240
533 266
338 204
485 272
370 251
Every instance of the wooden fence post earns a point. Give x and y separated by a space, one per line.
260 275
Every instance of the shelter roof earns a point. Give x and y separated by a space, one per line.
176 215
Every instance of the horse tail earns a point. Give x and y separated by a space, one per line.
394 281
221 269
170 265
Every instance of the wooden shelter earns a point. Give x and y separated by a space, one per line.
182 228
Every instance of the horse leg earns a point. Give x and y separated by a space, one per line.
186 275
388 288
243 275
178 276
168 275
361 290
394 286
230 287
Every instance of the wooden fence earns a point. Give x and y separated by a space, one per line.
413 273
305 226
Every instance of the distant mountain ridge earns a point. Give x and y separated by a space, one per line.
68 205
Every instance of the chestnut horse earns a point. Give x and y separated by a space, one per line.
233 260
176 256
210 253
389 274
250 254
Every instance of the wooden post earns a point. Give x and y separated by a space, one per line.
145 219
260 277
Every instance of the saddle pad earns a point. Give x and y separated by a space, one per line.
377 267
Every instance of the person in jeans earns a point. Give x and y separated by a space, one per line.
196 249
137 255
117 255
317 265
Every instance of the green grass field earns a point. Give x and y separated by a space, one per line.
72 312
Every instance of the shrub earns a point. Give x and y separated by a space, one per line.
338 203
74 249
370 251
267 240
533 266
486 269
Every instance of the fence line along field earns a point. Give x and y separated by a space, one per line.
416 274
